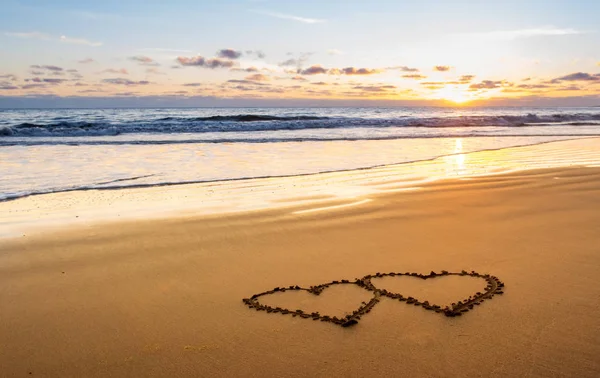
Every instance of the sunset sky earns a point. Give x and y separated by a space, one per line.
290 52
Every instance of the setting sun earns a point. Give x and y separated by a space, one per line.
453 94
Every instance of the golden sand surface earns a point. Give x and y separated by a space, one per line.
164 297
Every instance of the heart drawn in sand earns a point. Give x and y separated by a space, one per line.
345 321
494 286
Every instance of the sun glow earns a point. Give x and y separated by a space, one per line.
454 94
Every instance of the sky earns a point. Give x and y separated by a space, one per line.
311 52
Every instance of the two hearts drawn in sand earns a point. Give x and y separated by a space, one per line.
494 286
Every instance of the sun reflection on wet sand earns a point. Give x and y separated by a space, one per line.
456 161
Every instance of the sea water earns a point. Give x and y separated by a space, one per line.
45 151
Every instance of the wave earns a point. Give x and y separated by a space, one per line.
242 118
256 122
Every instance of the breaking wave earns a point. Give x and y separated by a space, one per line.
260 122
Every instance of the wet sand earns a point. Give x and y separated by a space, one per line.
163 297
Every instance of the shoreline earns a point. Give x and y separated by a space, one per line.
164 297
83 208
224 180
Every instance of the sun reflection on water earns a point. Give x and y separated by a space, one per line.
456 163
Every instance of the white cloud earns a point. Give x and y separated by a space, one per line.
334 52
291 17
525 33
48 37
79 41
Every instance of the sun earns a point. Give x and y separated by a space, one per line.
453 94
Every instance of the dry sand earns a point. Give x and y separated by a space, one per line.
164 297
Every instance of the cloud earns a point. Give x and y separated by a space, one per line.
79 41
313 70
354 71
299 78
466 78
199 61
441 68
290 62
31 86
121 81
403 69
46 80
229 54
296 62
434 87
577 76
48 37
243 88
415 77
570 88
291 17
73 72
334 52
49 68
248 69
121 71
533 86
525 33
126 94
91 91
10 77
246 82
375 88
144 60
258 77
486 84
319 83
258 53
154 71
86 61
141 59
192 84
54 81
5 87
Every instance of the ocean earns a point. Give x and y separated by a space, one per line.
56 150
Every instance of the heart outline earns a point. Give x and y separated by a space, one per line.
494 287
347 321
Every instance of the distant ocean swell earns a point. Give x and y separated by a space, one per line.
55 127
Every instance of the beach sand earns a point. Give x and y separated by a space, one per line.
164 297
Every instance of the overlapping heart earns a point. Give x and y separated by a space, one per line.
494 286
